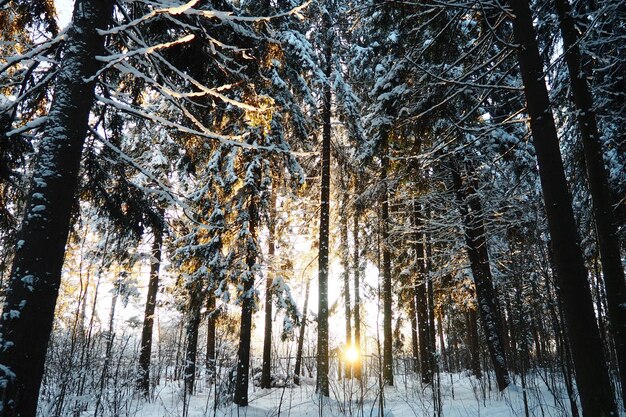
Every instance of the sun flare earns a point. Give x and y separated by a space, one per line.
351 354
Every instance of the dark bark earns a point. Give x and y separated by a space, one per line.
247 307
430 298
474 346
424 333
148 317
414 336
606 224
421 300
212 314
386 265
356 369
191 335
305 309
345 261
476 246
28 311
322 315
586 346
266 376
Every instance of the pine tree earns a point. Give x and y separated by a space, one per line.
591 373
606 225
28 310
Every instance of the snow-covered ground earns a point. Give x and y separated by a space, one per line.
461 396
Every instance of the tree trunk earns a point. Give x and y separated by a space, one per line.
442 343
28 311
476 246
356 369
421 300
414 337
247 307
322 315
474 347
210 335
191 335
386 265
430 298
297 368
588 356
148 318
424 332
606 225
345 261
266 374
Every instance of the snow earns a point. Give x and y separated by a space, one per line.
28 279
461 396
13 314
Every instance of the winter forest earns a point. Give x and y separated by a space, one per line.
312 208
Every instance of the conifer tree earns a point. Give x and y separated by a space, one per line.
28 310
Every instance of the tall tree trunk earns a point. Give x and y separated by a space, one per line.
591 373
414 336
442 343
298 366
476 246
474 346
247 306
266 375
432 346
322 315
148 317
28 311
606 224
212 314
345 262
424 332
356 369
191 335
421 299
386 265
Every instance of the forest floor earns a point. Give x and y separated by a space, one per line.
460 396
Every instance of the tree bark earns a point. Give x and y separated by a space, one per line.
322 315
148 318
191 335
414 336
28 310
386 265
266 374
212 314
345 261
247 307
356 369
586 346
430 298
298 366
474 347
476 246
421 300
606 225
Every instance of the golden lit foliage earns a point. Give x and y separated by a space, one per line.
261 117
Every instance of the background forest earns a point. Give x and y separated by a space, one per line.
357 206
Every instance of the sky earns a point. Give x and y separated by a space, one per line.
64 11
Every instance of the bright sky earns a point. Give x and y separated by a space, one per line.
64 11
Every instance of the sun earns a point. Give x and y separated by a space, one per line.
351 354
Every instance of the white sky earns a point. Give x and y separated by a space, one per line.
64 11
